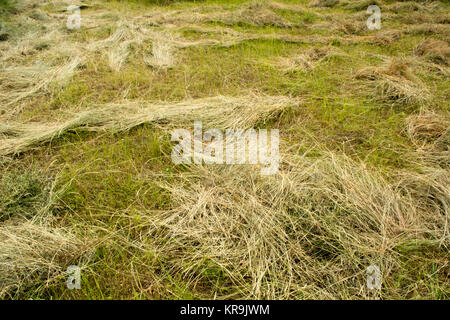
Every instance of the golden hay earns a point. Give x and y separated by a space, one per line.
267 239
162 56
230 112
430 133
396 82
256 13
308 59
426 127
32 251
33 248
434 50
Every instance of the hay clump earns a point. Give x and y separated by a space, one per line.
32 251
395 82
257 13
437 51
426 127
308 59
20 82
273 240
162 56
430 133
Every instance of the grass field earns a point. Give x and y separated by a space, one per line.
87 179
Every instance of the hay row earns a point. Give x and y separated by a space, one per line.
230 112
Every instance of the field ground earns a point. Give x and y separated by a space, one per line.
87 177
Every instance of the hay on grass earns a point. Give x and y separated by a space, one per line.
430 133
395 82
309 231
308 59
34 249
230 112
437 51
162 56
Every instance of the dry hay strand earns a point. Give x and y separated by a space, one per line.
421 18
226 37
286 6
407 6
118 46
396 82
230 112
430 191
257 14
273 240
436 51
426 127
180 17
54 60
229 39
360 5
354 26
417 13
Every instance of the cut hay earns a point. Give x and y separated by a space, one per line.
323 3
307 60
430 133
428 29
118 45
34 249
22 82
286 6
350 27
228 38
229 112
34 252
255 14
309 231
427 127
409 6
395 82
360 5
162 56
37 57
436 51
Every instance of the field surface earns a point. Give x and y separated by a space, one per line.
87 178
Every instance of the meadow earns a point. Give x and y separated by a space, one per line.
87 179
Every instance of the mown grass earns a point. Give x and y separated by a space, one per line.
343 117
111 184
